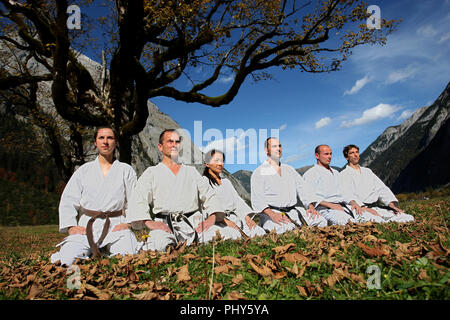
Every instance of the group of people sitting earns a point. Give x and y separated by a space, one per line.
103 200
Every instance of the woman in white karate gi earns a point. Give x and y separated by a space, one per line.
236 210
98 191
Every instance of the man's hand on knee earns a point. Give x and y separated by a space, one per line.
205 225
77 230
157 225
121 226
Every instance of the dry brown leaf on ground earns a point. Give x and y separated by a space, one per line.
189 256
18 284
370 238
222 269
313 290
146 295
237 279
296 257
102 295
217 288
167 257
280 275
423 275
183 274
234 261
377 251
273 236
35 291
283 249
234 295
261 270
302 291
331 280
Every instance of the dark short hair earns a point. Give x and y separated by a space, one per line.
317 149
266 143
347 149
161 136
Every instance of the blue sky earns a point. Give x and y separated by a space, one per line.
378 86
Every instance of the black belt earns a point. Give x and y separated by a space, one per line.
169 217
286 210
347 209
376 204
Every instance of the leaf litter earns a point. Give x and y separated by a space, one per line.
311 260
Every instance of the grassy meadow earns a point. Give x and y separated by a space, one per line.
368 261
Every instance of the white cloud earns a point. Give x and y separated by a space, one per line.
322 122
283 126
405 114
402 74
223 144
295 157
444 37
226 79
378 112
359 84
426 31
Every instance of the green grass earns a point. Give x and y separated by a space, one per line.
327 263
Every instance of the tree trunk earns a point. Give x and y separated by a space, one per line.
125 143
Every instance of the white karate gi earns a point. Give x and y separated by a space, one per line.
164 192
365 187
232 202
88 188
328 188
269 188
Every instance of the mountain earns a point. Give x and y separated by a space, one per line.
414 155
243 176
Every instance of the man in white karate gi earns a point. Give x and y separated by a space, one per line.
275 187
367 190
326 182
98 192
176 194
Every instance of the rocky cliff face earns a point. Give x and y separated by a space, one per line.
402 155
243 176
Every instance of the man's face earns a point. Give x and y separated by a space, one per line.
324 156
171 145
274 149
353 156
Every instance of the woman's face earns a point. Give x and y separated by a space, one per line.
105 142
216 163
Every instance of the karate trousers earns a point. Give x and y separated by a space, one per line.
77 246
266 223
159 240
336 217
391 216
